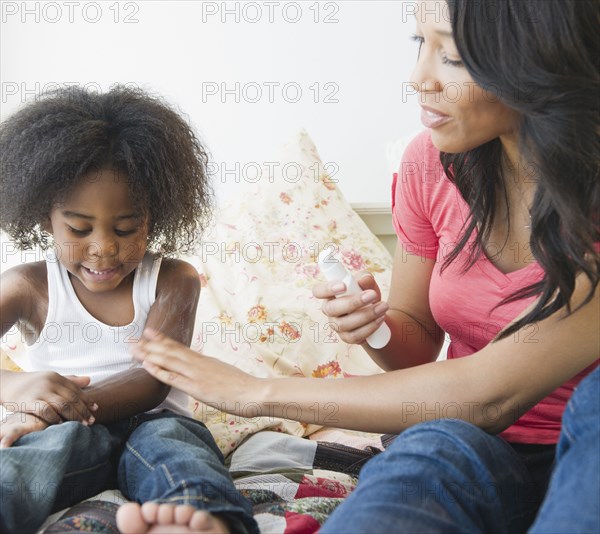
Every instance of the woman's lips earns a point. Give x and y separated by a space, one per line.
432 118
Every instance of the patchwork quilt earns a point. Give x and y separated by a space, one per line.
293 483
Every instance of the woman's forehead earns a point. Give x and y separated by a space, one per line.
433 13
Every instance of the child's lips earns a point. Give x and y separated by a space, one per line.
101 274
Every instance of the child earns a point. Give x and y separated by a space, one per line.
110 177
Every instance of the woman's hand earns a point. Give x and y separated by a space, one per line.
48 395
18 424
353 317
207 379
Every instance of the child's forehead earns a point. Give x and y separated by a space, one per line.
103 176
104 187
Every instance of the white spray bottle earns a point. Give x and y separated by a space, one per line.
334 271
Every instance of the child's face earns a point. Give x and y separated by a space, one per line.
472 116
98 235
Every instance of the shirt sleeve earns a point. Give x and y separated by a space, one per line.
410 215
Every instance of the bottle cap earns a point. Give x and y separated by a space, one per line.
331 268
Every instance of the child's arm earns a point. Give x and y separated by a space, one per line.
173 313
48 395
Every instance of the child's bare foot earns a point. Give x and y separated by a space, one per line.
157 518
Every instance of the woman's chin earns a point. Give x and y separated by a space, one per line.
452 143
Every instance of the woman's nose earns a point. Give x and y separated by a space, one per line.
423 78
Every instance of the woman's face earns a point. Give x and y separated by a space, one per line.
460 114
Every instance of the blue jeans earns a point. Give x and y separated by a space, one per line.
151 457
572 503
450 476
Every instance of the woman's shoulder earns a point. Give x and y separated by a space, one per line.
421 148
421 174
421 164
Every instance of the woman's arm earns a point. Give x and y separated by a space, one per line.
173 312
491 388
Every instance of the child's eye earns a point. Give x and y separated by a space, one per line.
123 233
78 232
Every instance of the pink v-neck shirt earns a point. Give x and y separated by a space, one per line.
428 215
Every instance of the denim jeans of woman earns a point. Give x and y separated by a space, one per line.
152 457
450 476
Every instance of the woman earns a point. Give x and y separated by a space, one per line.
496 210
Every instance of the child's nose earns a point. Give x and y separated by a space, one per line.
107 245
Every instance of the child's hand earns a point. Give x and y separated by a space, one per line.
353 317
18 424
207 379
51 397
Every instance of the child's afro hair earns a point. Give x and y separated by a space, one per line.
65 134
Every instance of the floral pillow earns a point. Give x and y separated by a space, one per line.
257 267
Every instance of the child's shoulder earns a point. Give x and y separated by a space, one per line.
24 288
179 267
27 273
178 275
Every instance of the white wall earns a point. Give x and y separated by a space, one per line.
358 53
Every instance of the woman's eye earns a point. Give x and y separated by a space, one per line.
445 60
452 62
419 40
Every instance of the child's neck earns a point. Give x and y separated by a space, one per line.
111 307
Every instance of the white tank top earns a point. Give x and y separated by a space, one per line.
73 342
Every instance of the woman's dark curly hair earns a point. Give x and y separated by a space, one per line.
541 58
47 146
